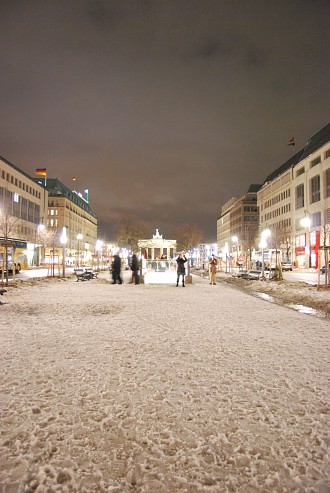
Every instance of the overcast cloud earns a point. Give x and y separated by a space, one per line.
164 109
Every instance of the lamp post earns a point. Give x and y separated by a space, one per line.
63 240
79 238
306 222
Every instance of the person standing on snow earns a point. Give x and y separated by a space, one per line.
116 268
213 269
134 269
181 260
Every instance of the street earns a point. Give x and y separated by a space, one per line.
305 275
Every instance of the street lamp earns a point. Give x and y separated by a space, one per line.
306 223
63 240
79 238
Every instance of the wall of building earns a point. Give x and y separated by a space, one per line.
299 193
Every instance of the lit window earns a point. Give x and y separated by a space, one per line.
315 161
300 196
327 183
315 189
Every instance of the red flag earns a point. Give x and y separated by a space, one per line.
41 171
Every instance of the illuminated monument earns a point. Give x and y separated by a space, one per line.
157 247
158 262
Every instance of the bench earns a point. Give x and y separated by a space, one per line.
90 273
251 275
2 291
85 274
81 275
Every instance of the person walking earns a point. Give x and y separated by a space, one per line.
181 260
135 269
116 269
213 269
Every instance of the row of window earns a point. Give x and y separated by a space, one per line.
315 219
71 208
315 190
278 212
313 163
52 223
19 207
250 219
283 224
19 184
278 198
24 232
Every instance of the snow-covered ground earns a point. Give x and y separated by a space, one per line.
159 389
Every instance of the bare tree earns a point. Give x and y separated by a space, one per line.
275 241
7 228
325 228
248 240
130 231
188 236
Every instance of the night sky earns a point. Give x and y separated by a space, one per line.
162 109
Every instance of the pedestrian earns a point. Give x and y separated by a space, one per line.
116 269
181 260
213 269
134 269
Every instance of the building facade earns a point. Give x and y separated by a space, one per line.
294 202
23 208
33 213
70 210
237 228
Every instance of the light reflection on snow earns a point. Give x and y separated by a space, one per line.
266 297
307 310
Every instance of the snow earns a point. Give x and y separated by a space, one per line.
159 389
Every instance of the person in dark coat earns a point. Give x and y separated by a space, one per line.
116 268
135 269
181 260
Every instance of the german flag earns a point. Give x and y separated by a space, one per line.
41 171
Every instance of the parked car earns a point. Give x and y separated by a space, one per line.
286 266
322 270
